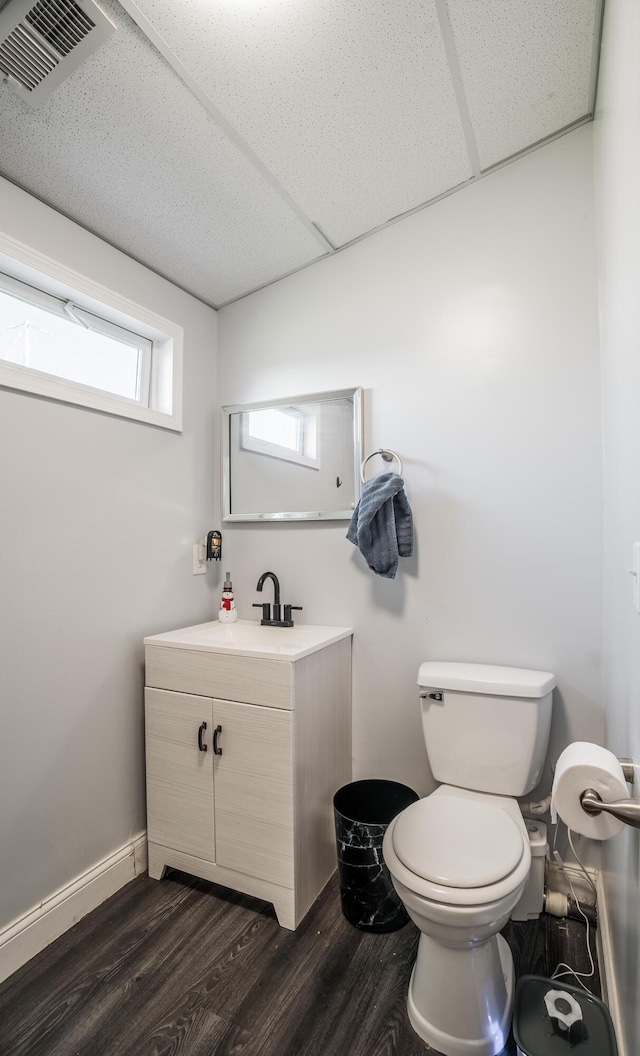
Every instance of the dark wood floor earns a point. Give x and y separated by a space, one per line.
186 968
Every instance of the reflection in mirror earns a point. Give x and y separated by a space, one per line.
293 459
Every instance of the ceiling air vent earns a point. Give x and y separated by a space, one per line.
42 43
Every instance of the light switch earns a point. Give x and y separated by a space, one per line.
635 573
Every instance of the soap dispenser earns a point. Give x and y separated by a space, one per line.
228 612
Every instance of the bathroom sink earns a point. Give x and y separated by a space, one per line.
250 638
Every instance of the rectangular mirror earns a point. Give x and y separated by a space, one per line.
293 459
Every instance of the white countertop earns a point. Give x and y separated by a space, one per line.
249 638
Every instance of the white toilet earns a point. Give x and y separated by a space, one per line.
460 858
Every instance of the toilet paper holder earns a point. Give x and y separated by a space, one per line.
626 810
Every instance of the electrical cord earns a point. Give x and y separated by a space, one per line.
575 855
578 976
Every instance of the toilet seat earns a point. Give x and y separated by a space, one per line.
449 894
456 842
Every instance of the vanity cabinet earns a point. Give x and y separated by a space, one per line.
258 816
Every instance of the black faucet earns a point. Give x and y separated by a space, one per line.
266 620
276 598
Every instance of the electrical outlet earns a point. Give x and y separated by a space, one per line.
200 558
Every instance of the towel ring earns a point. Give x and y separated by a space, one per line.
387 455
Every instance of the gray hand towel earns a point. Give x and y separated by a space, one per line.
382 524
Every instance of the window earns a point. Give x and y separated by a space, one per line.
57 342
288 433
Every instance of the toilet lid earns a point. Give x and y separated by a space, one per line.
457 842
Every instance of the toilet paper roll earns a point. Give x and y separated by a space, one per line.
583 765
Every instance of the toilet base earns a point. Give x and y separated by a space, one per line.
460 1000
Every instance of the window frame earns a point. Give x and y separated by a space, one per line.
51 284
298 455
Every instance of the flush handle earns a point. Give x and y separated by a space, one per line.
437 695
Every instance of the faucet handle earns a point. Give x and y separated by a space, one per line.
287 613
266 614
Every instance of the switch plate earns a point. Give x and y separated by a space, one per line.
200 558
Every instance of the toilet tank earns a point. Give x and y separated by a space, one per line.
486 728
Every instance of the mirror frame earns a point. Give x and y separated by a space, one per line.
293 515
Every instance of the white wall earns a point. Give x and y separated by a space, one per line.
98 517
472 328
617 154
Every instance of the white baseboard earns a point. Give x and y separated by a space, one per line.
557 879
606 964
28 935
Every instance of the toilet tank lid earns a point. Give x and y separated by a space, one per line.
485 678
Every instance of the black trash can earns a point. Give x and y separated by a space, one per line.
554 1018
363 811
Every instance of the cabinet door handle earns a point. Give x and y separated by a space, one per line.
216 734
201 746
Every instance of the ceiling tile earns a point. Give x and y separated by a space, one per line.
349 105
126 149
526 68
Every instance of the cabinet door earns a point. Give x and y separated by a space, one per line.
254 791
179 775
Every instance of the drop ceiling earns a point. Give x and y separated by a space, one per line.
226 143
